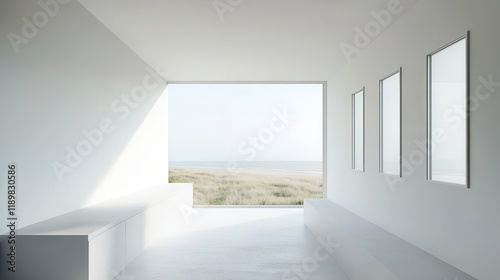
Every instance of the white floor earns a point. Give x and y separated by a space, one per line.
238 244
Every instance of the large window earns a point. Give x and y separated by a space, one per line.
448 113
358 131
390 124
247 144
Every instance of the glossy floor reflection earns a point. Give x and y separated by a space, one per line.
237 244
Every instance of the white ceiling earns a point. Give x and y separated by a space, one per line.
260 40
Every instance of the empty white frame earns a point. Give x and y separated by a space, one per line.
358 131
390 124
448 113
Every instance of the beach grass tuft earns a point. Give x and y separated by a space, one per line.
248 187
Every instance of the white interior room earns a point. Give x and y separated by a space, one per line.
84 120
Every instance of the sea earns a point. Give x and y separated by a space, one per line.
288 166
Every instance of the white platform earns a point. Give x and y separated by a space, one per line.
97 242
367 251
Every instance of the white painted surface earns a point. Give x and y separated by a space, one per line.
62 82
257 40
97 242
134 237
75 66
94 220
369 252
107 253
458 225
43 253
235 243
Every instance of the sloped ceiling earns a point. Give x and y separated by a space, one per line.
257 40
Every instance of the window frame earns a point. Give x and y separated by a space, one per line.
353 127
381 126
324 108
465 37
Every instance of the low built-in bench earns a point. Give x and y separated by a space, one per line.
367 252
97 242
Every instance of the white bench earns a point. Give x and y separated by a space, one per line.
367 252
97 242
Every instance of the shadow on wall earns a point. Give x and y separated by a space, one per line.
78 111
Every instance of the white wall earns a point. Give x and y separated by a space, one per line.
459 225
66 79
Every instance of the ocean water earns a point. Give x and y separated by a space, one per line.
289 166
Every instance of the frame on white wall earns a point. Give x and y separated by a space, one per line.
390 124
448 154
358 130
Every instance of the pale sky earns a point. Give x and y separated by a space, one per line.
245 122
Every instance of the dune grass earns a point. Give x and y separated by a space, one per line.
221 187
